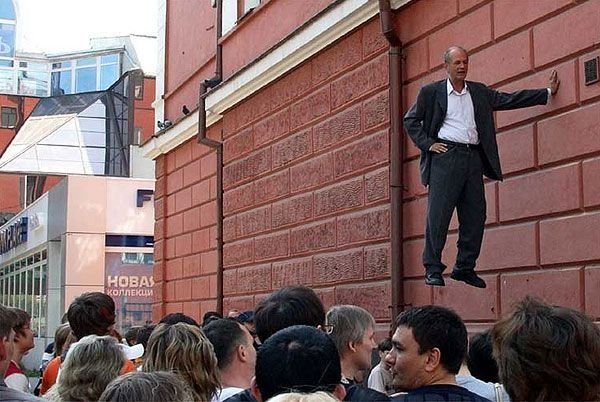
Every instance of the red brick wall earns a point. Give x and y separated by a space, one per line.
143 112
185 233
306 181
543 223
306 193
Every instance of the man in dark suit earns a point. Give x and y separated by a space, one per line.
452 123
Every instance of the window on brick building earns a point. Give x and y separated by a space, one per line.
138 86
235 10
9 117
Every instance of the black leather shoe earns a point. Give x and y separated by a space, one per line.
468 277
434 279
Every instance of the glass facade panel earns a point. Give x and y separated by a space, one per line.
6 63
7 35
7 81
86 62
61 83
35 316
33 82
108 75
28 289
44 300
24 285
85 79
109 58
62 64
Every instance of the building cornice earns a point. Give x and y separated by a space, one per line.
307 41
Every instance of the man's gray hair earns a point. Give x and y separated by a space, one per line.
347 323
448 52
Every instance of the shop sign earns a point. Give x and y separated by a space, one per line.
143 195
129 285
129 281
13 235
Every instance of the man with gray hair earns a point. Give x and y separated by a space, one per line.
7 334
352 329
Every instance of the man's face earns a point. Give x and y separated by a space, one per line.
407 365
249 347
458 65
364 349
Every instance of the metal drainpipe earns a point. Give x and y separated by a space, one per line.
396 153
218 146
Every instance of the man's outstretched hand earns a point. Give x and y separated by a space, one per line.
553 82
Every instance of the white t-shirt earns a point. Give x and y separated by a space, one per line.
226 393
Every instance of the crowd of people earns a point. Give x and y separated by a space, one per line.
291 349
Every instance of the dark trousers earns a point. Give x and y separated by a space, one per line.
456 181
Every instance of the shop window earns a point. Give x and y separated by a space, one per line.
9 117
24 285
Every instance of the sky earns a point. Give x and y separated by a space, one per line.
52 26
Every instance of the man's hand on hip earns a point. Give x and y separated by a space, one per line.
438 147
553 82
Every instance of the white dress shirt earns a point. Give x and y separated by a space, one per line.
459 124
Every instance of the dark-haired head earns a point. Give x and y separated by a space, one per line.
209 316
548 353
428 345
226 335
131 335
144 334
297 359
292 305
480 359
91 314
174 318
385 345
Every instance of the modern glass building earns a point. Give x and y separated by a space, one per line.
88 133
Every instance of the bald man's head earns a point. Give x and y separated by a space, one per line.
452 49
457 65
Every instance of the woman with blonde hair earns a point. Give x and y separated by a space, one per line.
184 350
90 365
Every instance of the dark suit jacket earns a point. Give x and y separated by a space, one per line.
424 119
